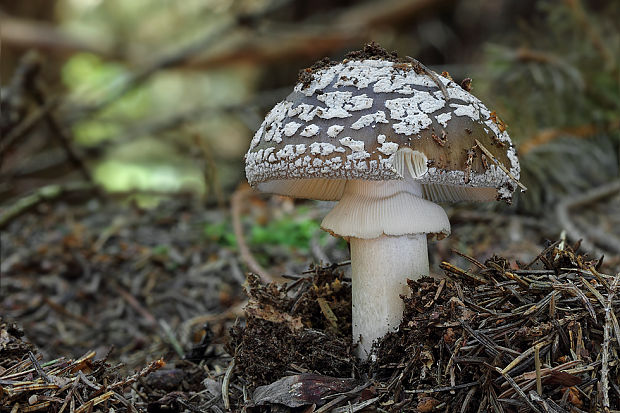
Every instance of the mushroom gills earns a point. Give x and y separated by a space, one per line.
370 209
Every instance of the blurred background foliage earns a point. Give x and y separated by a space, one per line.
160 97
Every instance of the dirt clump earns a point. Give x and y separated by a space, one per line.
304 325
301 326
13 347
374 51
370 51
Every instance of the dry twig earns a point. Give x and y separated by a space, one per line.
236 205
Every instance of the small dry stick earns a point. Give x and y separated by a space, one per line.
355 407
154 365
500 165
470 259
457 347
468 397
236 202
523 356
327 312
88 407
69 397
433 76
593 290
442 284
331 404
552 305
226 384
136 305
606 340
37 367
443 389
537 366
518 389
446 266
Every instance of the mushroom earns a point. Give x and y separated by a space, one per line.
388 139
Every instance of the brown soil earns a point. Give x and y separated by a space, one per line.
13 348
287 330
374 51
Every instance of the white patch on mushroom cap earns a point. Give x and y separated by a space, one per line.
355 146
515 168
310 130
330 113
358 102
443 119
412 112
334 130
389 84
339 103
362 73
319 82
257 137
406 110
504 193
367 120
429 103
266 153
470 111
290 128
303 111
401 82
334 102
322 148
300 149
386 148
273 122
484 111
287 152
459 93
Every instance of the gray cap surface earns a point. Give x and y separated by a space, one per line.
349 120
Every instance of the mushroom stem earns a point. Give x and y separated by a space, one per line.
380 268
386 224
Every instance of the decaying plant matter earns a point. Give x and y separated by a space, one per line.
540 337
499 336
81 385
535 337
301 326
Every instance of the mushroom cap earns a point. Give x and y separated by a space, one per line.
349 120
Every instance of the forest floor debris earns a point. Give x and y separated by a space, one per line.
541 336
535 331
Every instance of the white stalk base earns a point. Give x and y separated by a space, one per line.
380 268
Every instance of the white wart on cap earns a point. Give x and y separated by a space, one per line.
350 120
